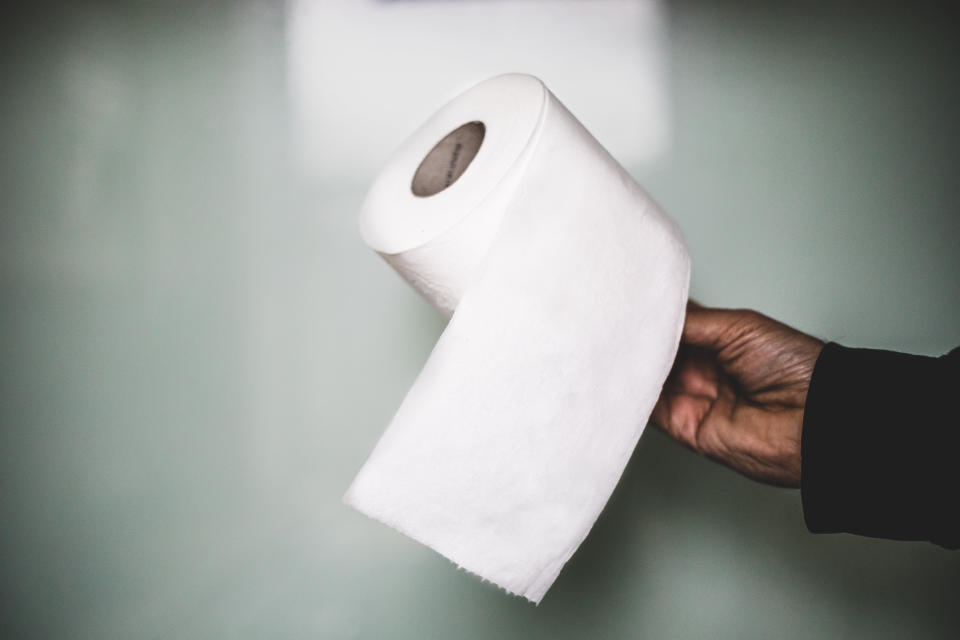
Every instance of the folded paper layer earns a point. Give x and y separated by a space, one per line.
567 287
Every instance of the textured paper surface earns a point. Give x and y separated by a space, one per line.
569 287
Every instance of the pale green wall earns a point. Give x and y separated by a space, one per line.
198 352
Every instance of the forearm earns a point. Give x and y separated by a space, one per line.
879 445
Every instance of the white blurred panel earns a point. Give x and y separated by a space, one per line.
364 74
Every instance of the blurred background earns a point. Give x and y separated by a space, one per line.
198 352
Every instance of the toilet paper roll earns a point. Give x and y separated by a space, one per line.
567 287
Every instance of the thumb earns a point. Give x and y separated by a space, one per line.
715 328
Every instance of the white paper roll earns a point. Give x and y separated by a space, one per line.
569 287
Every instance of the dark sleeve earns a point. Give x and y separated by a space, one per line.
880 445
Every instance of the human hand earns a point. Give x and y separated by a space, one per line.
737 391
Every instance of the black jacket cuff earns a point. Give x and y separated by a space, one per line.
879 445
